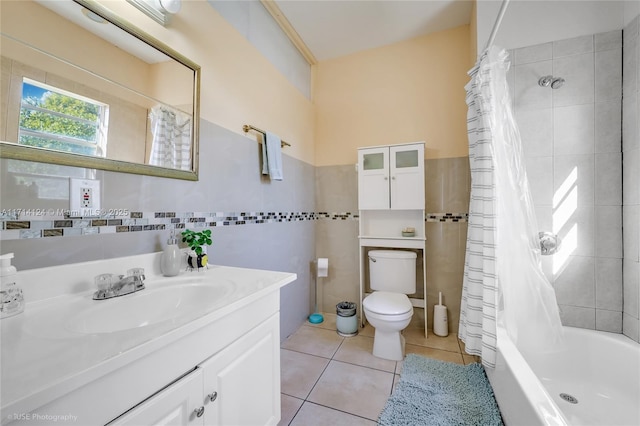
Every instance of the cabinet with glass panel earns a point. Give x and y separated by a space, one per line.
391 191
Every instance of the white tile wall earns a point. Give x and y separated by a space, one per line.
536 126
608 174
578 71
607 129
631 178
571 134
608 73
572 46
536 53
572 143
609 284
527 95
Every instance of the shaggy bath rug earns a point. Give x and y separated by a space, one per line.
438 393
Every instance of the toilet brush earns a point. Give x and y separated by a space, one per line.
315 317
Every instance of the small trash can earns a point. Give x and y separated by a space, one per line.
346 321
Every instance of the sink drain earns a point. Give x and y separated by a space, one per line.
569 398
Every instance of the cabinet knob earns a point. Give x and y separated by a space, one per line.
393 177
199 411
386 178
213 396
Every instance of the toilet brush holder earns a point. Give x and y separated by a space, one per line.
440 323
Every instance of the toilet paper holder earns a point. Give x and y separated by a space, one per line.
322 267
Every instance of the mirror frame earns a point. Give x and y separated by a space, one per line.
42 155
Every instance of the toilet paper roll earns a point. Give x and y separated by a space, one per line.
323 267
440 324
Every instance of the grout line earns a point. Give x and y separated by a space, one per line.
295 414
305 353
317 380
341 411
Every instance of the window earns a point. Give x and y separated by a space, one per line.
63 121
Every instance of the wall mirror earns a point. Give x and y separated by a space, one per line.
83 87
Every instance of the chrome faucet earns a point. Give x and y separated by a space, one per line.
110 285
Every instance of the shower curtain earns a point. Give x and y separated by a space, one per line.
503 278
171 144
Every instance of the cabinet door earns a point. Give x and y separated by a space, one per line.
242 383
373 178
176 405
407 177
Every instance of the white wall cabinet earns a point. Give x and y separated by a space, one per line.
391 177
217 391
391 198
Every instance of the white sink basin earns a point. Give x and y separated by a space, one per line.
148 307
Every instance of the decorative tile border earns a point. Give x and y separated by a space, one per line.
19 225
446 217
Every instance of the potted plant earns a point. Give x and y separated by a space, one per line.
197 241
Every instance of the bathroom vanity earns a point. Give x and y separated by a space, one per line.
199 349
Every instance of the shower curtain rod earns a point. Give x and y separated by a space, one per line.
496 25
248 127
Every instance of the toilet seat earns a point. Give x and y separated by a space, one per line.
387 303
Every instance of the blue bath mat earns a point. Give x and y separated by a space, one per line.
438 393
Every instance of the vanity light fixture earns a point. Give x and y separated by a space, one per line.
158 10
93 16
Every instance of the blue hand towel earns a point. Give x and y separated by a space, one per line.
272 156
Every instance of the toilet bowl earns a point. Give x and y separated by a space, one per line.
389 314
392 276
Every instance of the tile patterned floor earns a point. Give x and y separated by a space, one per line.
332 380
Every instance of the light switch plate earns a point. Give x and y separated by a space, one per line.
84 197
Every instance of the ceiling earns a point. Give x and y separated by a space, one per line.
333 28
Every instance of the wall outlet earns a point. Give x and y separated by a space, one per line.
84 197
87 197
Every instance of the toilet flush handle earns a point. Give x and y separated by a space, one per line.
373 259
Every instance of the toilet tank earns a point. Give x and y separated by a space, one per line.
392 270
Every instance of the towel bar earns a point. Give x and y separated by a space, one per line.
248 127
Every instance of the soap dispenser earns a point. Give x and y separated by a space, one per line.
171 257
10 291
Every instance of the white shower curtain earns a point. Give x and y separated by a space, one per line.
503 278
171 145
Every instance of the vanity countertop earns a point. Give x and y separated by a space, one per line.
44 355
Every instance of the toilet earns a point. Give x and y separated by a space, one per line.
392 275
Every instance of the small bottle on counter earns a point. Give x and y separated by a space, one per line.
171 257
10 292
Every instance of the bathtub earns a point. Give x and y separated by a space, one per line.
598 374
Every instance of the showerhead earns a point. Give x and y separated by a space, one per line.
557 83
545 81
549 80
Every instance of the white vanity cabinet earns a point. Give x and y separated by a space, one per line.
242 383
177 404
216 366
391 177
218 391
